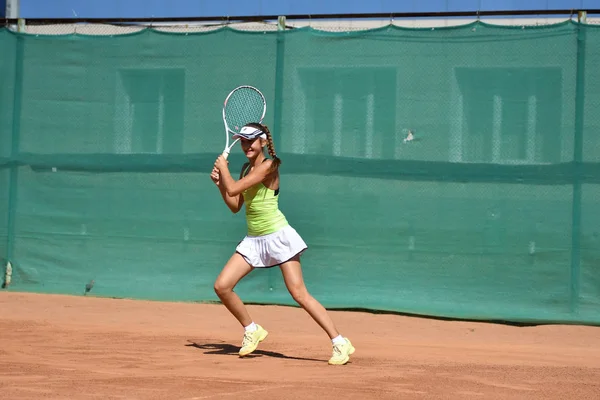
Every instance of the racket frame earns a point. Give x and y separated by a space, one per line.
228 131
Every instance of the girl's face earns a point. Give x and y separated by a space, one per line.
252 148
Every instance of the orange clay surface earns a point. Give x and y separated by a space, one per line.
69 347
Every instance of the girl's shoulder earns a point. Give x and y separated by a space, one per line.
246 167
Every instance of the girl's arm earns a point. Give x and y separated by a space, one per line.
234 203
234 188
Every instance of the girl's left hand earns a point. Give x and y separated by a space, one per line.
221 163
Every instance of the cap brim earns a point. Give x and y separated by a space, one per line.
249 133
247 137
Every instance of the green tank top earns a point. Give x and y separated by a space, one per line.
262 209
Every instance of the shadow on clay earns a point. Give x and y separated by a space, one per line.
231 350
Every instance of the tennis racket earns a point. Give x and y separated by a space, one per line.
243 105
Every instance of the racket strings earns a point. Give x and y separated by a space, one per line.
244 106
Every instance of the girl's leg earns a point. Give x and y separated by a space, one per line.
235 269
292 275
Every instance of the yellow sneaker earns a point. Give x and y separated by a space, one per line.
252 339
341 353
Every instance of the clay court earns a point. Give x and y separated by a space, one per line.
68 347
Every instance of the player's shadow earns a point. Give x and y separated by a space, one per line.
230 350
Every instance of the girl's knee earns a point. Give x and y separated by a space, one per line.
222 288
300 295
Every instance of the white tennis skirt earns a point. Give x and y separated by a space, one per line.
273 249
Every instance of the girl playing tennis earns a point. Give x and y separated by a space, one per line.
270 241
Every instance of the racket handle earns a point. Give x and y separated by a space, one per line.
225 154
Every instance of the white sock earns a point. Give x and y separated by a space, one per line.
251 328
339 339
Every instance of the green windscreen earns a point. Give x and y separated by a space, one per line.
7 93
449 172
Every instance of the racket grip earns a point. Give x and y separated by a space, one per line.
225 154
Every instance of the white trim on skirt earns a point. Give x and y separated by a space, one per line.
273 249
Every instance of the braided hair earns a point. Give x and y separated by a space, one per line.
270 146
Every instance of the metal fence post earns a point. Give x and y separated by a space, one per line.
577 161
277 101
14 153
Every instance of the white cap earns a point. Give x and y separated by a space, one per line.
250 133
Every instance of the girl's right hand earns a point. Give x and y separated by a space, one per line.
215 176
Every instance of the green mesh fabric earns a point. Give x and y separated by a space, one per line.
492 211
7 92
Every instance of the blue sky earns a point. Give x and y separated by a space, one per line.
187 8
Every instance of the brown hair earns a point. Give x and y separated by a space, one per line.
270 146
